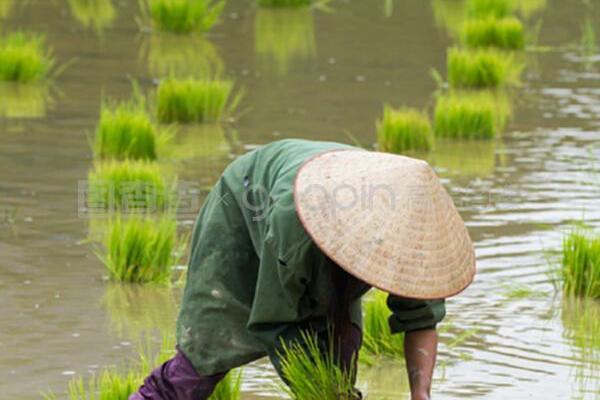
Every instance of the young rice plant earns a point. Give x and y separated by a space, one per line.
491 8
580 271
505 33
182 16
404 130
195 100
24 57
378 339
482 68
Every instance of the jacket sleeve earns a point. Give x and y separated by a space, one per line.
412 315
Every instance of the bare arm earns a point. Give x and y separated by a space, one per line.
420 349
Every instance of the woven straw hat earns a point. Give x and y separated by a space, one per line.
387 220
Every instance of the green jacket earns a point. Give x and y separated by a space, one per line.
254 274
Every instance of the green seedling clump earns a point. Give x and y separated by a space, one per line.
183 16
195 100
468 116
505 33
490 8
312 374
378 339
580 271
24 57
125 131
134 186
404 130
482 68
230 388
140 250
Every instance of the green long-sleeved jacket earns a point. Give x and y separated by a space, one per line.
254 274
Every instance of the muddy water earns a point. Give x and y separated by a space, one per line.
317 75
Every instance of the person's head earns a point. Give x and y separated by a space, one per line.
387 220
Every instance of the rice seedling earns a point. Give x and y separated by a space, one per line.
284 37
132 186
125 131
181 56
404 130
449 14
465 158
482 68
230 388
24 101
182 16
24 57
377 335
505 33
588 44
141 250
490 8
195 100
94 14
136 310
312 374
469 116
284 3
580 272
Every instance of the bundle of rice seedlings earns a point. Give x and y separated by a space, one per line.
490 8
404 130
195 100
482 68
108 385
24 57
580 272
24 101
133 186
378 339
141 250
126 131
505 33
468 116
284 37
312 374
95 14
181 56
182 16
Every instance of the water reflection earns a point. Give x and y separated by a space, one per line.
449 14
93 14
284 37
581 321
475 158
181 56
135 310
528 8
385 380
24 100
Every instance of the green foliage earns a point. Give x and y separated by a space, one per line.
125 131
284 36
580 271
141 250
313 374
229 388
284 3
96 14
490 8
135 186
404 130
468 116
482 68
24 57
183 16
505 33
109 385
377 337
449 14
195 100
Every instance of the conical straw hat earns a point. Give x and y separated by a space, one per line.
387 220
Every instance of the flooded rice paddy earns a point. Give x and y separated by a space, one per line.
314 74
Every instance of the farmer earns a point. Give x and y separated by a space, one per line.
290 238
